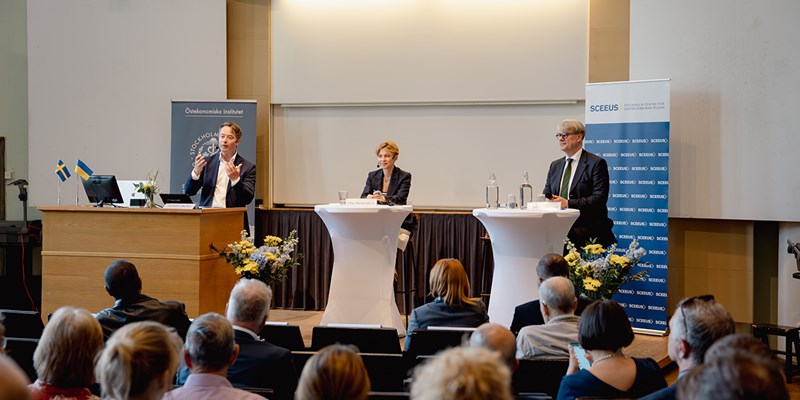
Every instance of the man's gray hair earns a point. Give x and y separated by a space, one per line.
706 320
210 343
498 338
558 293
249 301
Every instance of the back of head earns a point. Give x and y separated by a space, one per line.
335 373
449 281
558 293
122 279
735 377
551 265
135 357
497 338
210 343
13 382
249 301
604 325
67 349
706 320
739 343
462 373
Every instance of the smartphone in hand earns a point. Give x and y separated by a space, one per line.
580 353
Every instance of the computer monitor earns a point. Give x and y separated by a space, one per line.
102 189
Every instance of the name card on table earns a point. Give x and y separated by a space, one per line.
361 202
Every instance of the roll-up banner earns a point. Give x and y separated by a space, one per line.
195 130
627 123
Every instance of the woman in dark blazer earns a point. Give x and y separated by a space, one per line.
452 305
389 184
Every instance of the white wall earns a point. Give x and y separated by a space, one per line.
734 69
101 74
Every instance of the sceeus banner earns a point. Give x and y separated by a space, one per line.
195 130
627 123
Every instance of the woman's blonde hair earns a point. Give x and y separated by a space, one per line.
134 357
449 281
390 146
335 373
67 349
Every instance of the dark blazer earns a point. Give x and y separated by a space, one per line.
143 308
530 314
589 194
399 186
437 313
259 365
239 195
583 384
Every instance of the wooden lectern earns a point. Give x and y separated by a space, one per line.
170 248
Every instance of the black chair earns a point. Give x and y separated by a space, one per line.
286 336
22 324
299 359
487 268
406 266
387 372
791 336
428 341
368 340
21 351
539 376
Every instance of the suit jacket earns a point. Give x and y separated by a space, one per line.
550 340
437 313
589 194
143 308
530 314
239 195
259 365
399 186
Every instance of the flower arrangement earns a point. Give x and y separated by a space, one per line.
149 189
598 273
269 263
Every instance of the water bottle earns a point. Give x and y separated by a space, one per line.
492 193
525 192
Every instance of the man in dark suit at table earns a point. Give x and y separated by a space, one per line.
530 313
226 178
580 181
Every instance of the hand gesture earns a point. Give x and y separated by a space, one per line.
199 163
232 170
564 202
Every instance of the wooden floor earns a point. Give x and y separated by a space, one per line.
654 347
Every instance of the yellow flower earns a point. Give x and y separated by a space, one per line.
250 266
272 241
622 261
594 248
271 257
591 284
572 258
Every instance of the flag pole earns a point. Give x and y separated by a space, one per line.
77 188
59 192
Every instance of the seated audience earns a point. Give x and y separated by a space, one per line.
695 325
604 330
123 283
497 338
64 357
530 313
551 340
462 373
208 352
139 362
335 373
452 305
13 381
736 376
260 364
740 343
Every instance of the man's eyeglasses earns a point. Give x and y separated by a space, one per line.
688 302
563 135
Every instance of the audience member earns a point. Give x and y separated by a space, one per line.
13 381
260 364
551 340
604 330
740 343
462 373
452 305
695 325
139 362
64 357
736 376
530 313
497 338
123 283
335 373
208 352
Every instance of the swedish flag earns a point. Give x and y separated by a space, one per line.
62 171
83 170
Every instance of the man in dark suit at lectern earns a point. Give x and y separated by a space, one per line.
580 181
226 178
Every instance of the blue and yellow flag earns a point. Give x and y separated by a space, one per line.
83 170
62 171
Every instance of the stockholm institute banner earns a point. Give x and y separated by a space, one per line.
627 123
195 130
